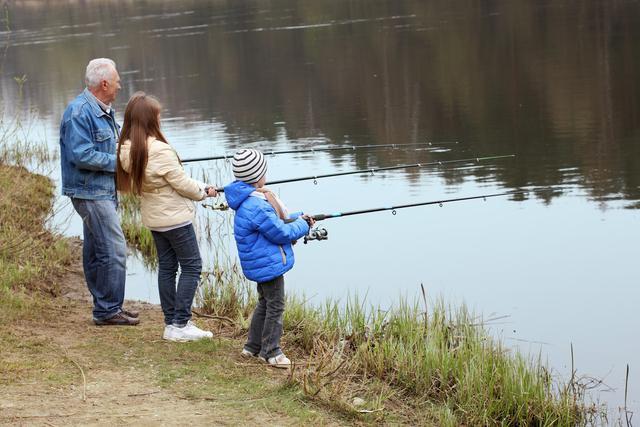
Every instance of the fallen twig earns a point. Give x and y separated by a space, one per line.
84 378
330 374
221 401
142 394
209 316
370 411
22 417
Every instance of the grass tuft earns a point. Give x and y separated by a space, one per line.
31 256
137 235
443 367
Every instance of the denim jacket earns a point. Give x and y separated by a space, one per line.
88 138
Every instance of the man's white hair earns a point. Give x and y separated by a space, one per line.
99 69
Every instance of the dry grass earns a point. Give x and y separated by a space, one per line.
29 252
414 363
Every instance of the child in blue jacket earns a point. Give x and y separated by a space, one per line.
264 242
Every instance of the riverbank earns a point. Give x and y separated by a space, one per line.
417 364
57 368
28 251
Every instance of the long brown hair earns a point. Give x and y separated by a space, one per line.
140 122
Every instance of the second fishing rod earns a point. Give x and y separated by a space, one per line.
372 171
327 149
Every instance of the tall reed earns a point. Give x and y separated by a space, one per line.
137 235
436 357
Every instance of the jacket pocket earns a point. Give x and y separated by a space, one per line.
284 255
103 141
102 135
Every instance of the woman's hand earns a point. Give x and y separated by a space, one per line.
211 191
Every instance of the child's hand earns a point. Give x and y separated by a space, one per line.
309 220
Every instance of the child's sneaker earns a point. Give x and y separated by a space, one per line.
247 354
280 361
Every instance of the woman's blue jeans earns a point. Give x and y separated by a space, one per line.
177 247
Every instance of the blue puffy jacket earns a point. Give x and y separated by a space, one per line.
263 239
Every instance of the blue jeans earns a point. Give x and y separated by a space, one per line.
104 255
177 247
266 323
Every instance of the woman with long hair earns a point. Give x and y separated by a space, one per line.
149 167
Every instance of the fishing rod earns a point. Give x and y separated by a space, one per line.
315 178
388 168
314 150
322 234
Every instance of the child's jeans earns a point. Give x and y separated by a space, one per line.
266 323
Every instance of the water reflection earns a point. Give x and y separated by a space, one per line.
554 83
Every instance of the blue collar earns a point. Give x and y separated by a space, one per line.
93 101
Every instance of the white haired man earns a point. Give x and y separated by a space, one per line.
88 138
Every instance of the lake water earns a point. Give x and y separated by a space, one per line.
557 83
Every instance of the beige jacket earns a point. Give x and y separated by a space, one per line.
167 191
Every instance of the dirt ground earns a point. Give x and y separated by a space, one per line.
57 368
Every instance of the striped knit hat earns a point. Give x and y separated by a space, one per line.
249 166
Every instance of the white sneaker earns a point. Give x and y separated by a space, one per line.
168 333
247 354
197 331
280 361
173 333
190 332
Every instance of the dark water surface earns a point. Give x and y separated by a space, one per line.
555 82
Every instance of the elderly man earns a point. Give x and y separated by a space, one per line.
88 137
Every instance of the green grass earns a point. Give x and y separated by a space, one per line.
439 364
28 251
209 370
29 359
224 292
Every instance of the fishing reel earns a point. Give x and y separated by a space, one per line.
316 234
220 206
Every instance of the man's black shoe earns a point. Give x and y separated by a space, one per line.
118 319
